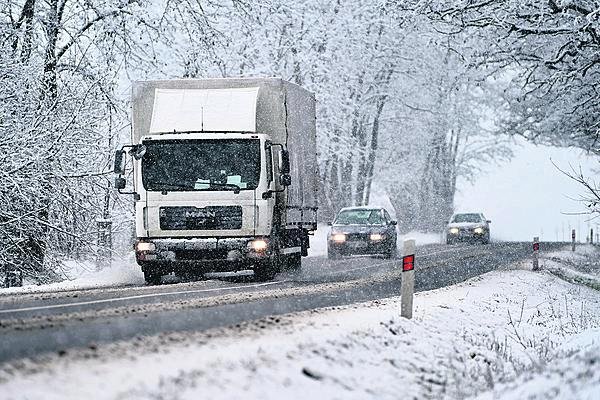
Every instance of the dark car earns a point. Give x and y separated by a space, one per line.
472 227
362 230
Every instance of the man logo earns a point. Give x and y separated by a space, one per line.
201 214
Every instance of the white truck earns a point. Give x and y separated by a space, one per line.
224 175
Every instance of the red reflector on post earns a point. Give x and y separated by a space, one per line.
408 262
536 247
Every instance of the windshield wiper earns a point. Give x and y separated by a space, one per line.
162 185
236 188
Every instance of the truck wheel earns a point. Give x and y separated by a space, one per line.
266 270
152 277
294 262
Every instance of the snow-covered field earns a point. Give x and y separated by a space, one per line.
509 334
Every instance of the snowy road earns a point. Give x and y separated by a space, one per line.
31 324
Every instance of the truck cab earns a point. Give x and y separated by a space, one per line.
230 198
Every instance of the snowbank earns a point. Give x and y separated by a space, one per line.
581 266
318 242
510 334
82 275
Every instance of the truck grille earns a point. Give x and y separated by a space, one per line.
195 219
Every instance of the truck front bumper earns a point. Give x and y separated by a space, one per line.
202 254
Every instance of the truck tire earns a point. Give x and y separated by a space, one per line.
266 270
152 277
294 262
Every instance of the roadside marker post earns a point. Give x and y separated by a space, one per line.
408 278
573 240
536 251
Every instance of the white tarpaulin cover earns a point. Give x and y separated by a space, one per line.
209 110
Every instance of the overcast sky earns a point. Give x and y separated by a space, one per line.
528 196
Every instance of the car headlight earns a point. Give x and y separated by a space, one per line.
338 237
258 245
375 237
145 246
453 231
478 230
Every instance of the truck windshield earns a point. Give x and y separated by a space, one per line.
190 165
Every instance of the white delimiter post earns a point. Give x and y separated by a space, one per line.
408 278
536 250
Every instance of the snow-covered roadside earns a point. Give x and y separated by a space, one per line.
81 275
507 334
581 266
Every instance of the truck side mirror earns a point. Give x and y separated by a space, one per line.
120 183
138 151
285 163
119 168
285 180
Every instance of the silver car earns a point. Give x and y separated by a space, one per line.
468 227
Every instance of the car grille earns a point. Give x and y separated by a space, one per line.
194 218
352 237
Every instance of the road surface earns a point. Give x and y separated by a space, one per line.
33 324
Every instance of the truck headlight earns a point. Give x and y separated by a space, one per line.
478 230
145 246
338 237
453 231
376 237
258 245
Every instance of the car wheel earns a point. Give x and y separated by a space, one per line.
332 254
393 251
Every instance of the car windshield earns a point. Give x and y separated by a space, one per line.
467 218
359 217
190 165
